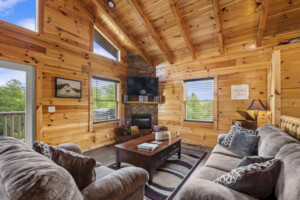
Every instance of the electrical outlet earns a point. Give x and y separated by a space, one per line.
51 109
107 136
178 133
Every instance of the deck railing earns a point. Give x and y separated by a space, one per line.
11 116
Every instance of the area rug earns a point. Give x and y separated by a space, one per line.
170 176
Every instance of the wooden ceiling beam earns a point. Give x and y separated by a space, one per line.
262 22
146 22
121 28
183 28
217 13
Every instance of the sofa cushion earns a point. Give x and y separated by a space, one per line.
26 174
254 159
222 162
288 183
82 168
272 139
235 129
256 179
243 144
219 149
209 173
102 171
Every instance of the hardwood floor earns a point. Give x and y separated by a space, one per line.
107 156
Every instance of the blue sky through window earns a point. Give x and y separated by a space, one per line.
19 12
99 50
8 74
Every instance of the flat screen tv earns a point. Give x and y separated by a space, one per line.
146 86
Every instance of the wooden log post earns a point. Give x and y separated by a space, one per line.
19 126
12 127
4 125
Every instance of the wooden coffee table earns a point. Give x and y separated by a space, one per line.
127 152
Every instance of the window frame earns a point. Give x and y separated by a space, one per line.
188 122
118 102
103 35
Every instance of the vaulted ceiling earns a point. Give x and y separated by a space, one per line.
166 31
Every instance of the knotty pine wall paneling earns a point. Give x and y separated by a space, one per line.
241 64
61 49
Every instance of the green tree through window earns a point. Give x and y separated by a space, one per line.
12 98
199 100
105 99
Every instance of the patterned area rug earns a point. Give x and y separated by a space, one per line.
170 176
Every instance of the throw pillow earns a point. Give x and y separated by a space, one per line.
257 180
41 148
82 168
234 129
254 159
243 144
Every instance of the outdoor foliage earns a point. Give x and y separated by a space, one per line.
12 98
199 110
105 98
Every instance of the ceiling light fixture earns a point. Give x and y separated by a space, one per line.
111 3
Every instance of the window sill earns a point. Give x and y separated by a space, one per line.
105 124
198 124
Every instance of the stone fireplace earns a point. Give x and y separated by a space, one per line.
139 68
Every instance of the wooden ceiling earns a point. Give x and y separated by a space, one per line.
167 31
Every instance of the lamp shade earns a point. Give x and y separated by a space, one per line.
256 104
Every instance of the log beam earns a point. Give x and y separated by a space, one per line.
217 13
262 22
121 28
182 27
146 22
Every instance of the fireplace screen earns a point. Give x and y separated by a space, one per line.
142 121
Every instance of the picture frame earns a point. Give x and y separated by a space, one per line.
67 88
240 92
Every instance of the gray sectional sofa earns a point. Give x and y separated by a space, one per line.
26 174
273 142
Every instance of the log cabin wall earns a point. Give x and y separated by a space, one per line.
61 49
239 66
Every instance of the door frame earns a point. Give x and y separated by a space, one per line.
30 101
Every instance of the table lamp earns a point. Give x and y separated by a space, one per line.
256 105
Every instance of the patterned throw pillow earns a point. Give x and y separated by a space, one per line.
257 179
41 148
234 129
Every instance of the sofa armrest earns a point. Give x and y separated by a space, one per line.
116 185
200 189
70 147
221 137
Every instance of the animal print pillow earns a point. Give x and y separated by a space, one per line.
41 148
234 129
257 179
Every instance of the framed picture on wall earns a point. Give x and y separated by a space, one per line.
66 88
240 92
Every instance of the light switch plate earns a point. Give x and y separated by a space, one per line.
51 109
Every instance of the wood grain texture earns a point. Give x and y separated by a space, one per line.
217 14
62 50
145 21
262 22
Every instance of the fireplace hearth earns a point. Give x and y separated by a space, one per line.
142 121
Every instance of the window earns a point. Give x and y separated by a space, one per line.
19 12
199 96
105 99
104 48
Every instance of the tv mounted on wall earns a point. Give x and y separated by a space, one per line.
146 86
